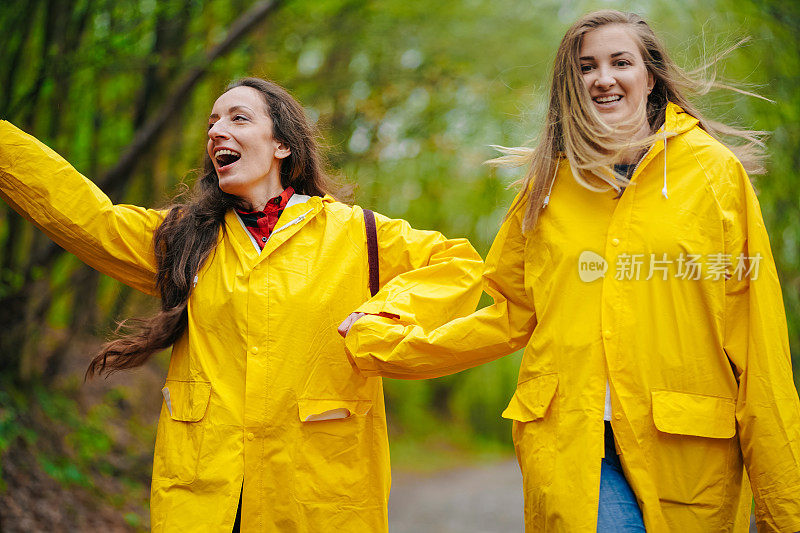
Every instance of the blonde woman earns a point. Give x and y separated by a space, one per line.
656 386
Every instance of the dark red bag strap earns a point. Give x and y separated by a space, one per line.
372 252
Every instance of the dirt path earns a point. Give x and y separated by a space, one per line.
479 499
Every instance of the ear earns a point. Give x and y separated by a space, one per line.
651 82
282 150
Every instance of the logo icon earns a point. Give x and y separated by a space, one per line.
591 266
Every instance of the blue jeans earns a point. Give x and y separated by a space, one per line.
618 511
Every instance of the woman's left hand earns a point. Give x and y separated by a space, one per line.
345 326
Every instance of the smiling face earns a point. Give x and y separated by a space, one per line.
614 73
245 155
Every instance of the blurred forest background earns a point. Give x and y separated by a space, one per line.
408 95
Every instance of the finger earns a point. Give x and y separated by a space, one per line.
345 326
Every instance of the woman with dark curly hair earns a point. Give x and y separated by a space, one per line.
264 426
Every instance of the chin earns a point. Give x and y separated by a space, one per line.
618 116
228 188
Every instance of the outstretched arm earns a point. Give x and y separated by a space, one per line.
425 278
44 188
404 348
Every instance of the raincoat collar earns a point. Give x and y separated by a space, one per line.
299 210
677 121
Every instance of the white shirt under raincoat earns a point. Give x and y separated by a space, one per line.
669 294
259 388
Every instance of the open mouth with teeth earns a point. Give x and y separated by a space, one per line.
226 158
607 99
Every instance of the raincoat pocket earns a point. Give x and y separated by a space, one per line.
319 410
532 398
333 455
695 453
535 436
180 430
683 413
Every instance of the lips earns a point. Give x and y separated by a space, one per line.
607 102
226 157
607 99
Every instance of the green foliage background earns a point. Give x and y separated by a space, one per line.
409 97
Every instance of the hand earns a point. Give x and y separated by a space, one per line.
345 326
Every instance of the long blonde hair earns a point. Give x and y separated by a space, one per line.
574 130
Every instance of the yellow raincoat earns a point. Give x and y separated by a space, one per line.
699 369
258 387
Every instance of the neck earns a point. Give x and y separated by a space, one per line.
633 155
269 189
630 157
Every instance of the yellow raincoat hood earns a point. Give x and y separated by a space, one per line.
669 294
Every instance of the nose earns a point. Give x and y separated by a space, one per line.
604 78
217 131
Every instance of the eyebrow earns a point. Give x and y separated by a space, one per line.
232 110
615 54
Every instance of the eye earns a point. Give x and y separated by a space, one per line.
586 68
239 118
622 63
211 125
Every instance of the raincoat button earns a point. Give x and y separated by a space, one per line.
615 241
607 334
616 415
254 350
250 436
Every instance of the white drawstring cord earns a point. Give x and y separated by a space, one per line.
552 181
664 190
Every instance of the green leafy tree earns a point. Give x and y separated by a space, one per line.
409 98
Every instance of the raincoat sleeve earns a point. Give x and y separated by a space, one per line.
44 188
756 342
394 348
425 278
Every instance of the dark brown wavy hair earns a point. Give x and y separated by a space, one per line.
190 231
